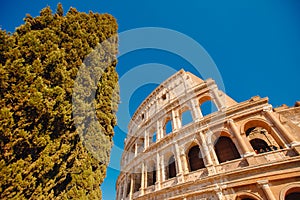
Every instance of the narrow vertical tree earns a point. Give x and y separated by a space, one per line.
42 154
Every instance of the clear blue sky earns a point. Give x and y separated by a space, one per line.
254 43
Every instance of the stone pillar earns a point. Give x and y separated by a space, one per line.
245 150
205 149
159 132
206 155
215 91
197 114
284 132
162 164
143 179
131 186
185 167
266 188
135 149
158 172
146 140
175 120
179 164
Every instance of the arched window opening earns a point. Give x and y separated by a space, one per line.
154 137
260 140
208 107
293 194
171 168
186 117
247 199
137 182
151 176
168 127
226 150
195 159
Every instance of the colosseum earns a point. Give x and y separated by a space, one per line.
178 149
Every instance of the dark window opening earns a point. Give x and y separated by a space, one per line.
171 167
260 146
137 182
293 196
260 140
226 150
151 177
164 96
195 159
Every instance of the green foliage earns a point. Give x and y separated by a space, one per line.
42 155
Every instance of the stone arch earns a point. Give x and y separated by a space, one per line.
170 166
247 196
152 134
186 146
226 149
195 158
260 129
289 190
207 105
167 124
215 134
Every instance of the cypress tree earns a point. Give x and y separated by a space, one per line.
44 154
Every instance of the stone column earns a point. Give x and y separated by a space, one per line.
266 188
158 172
143 179
197 114
185 167
131 186
159 131
146 140
135 149
145 176
205 149
245 150
179 164
284 132
215 91
175 120
206 155
162 164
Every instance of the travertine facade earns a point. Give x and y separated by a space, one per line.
245 151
